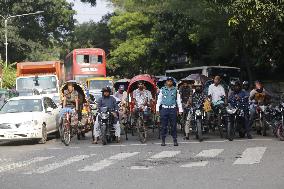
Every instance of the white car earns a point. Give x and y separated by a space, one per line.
28 117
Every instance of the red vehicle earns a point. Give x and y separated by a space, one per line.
81 64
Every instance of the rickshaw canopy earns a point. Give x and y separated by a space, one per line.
148 81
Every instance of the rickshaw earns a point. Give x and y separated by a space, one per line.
142 124
85 120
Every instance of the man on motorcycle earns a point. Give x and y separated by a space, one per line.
240 96
107 101
71 102
216 92
246 88
258 96
197 98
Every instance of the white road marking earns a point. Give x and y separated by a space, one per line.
138 144
196 164
55 148
141 167
117 145
108 162
164 154
251 156
13 166
74 147
210 153
56 165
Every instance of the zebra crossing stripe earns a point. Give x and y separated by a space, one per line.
210 153
164 154
141 167
196 164
204 154
251 156
13 166
56 165
108 162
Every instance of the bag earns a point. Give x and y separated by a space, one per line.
207 106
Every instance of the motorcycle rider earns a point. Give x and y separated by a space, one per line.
107 101
197 98
216 92
240 96
258 96
246 87
71 102
168 102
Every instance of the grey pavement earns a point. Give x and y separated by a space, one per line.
214 163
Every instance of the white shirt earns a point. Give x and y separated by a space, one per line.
142 97
216 92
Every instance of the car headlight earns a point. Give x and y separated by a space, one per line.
28 123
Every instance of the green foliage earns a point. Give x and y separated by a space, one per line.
9 76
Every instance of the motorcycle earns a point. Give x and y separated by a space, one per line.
280 125
260 111
235 119
106 119
199 117
219 117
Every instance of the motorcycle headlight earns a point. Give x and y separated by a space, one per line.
198 113
104 116
231 110
28 123
263 108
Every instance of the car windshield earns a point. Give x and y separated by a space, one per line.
22 105
45 83
99 84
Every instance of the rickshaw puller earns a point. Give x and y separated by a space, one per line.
71 102
168 102
107 101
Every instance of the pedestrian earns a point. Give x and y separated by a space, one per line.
168 105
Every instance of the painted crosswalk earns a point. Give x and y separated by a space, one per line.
107 162
145 160
251 156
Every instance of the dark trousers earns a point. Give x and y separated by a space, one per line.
168 116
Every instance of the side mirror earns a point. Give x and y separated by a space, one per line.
49 109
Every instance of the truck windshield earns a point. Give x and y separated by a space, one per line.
99 84
44 83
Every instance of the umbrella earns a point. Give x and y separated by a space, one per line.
162 80
124 82
196 77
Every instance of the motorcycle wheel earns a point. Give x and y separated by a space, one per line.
103 135
280 132
230 130
199 135
220 127
142 133
66 132
263 127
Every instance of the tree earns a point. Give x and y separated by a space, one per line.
9 75
29 32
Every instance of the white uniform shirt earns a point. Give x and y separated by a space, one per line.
216 92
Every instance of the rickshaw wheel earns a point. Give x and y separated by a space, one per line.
142 132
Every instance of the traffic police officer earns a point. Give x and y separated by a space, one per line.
167 104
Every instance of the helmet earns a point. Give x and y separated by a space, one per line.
238 83
106 89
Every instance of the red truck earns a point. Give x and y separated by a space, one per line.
44 76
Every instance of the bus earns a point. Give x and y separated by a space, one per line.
227 73
81 64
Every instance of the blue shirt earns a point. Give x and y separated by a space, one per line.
109 102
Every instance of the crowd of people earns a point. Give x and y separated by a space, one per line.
172 102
